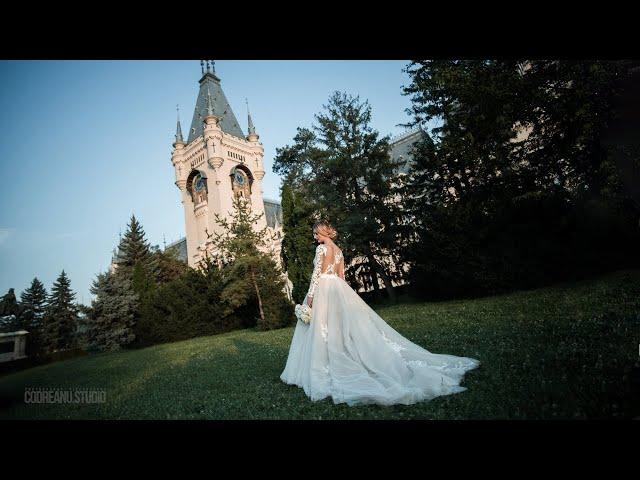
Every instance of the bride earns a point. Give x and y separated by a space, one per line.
349 353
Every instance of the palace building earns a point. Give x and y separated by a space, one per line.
217 161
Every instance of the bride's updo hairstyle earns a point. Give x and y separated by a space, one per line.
323 227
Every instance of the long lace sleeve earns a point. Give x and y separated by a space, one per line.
340 267
321 251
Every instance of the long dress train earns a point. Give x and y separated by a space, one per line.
350 354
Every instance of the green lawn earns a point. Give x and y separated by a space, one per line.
559 352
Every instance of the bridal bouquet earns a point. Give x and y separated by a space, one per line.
303 313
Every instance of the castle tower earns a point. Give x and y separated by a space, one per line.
216 163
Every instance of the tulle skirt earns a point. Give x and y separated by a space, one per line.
349 353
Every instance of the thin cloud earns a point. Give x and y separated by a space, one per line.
5 233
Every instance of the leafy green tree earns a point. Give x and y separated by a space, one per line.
61 318
512 170
349 177
110 320
506 128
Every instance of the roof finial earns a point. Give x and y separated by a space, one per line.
202 66
252 128
178 128
213 67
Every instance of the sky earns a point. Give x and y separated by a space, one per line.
85 144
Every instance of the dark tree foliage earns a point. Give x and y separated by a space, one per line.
110 320
176 311
33 301
134 250
297 245
513 188
250 276
346 175
169 266
61 318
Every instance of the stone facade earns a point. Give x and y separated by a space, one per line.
216 163
13 345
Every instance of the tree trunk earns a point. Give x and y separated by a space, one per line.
378 270
373 264
255 284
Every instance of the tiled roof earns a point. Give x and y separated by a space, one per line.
180 246
273 212
210 84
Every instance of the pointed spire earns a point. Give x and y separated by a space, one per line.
209 103
212 101
179 128
252 128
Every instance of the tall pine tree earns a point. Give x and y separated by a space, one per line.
110 320
33 301
61 318
134 250
249 275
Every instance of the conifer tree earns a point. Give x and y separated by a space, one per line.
249 275
297 245
349 176
110 320
134 249
33 301
61 318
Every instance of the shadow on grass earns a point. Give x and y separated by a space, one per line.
545 355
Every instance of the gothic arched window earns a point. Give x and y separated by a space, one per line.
197 187
241 181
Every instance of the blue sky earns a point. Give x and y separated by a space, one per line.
84 144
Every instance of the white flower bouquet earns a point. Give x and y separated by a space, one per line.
303 313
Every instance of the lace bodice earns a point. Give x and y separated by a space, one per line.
327 261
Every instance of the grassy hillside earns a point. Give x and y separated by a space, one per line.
560 352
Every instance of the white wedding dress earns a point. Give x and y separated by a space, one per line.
350 354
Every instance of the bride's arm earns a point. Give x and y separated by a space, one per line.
321 250
340 269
